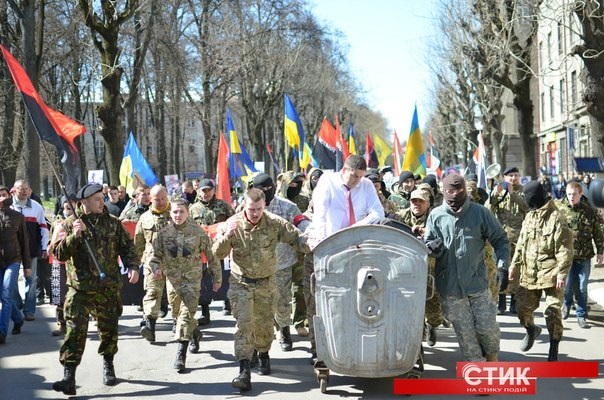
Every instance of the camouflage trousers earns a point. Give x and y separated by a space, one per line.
106 305
474 319
184 297
489 262
298 298
527 301
283 298
433 313
311 309
154 290
253 306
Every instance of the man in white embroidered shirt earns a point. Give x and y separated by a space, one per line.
345 198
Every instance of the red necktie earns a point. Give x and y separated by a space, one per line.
351 218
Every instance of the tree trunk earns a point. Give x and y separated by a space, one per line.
524 108
206 107
31 148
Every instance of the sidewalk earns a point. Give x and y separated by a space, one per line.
596 284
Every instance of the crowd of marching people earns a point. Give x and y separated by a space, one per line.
186 249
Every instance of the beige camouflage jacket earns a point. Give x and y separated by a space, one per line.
177 253
544 252
252 248
146 231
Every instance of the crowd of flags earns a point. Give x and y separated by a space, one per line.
329 151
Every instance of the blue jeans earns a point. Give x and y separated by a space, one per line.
578 272
29 306
8 277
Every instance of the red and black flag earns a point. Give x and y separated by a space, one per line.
326 146
52 126
370 154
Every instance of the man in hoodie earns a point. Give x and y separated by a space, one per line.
14 250
543 257
456 233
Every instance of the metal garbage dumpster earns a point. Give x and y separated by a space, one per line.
370 292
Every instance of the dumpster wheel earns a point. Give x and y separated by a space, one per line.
322 377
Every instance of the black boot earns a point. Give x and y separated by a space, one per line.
148 331
553 350
205 315
163 310
431 336
196 337
67 384
174 327
501 305
243 381
532 331
264 364
226 310
181 356
286 339
108 371
513 304
254 360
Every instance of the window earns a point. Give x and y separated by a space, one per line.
99 145
541 59
562 96
551 102
573 89
542 106
549 48
560 38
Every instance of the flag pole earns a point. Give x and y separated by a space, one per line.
98 266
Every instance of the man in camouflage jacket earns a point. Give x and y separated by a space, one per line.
146 231
585 224
208 210
540 265
88 292
140 204
251 237
177 255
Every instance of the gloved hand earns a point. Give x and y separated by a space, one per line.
502 279
435 246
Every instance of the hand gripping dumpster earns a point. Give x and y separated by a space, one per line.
370 291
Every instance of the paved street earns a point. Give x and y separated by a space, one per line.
29 363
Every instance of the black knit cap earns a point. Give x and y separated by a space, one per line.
404 176
262 180
88 190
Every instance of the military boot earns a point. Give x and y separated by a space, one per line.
196 337
181 356
532 332
501 304
226 310
286 339
431 335
67 384
205 315
254 360
553 350
264 364
148 331
243 381
108 371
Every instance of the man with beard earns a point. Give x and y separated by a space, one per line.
456 233
543 257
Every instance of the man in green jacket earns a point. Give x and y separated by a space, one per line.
88 291
456 233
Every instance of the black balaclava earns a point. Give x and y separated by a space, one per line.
262 181
292 192
317 173
455 182
534 194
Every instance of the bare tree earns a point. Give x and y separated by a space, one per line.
105 25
